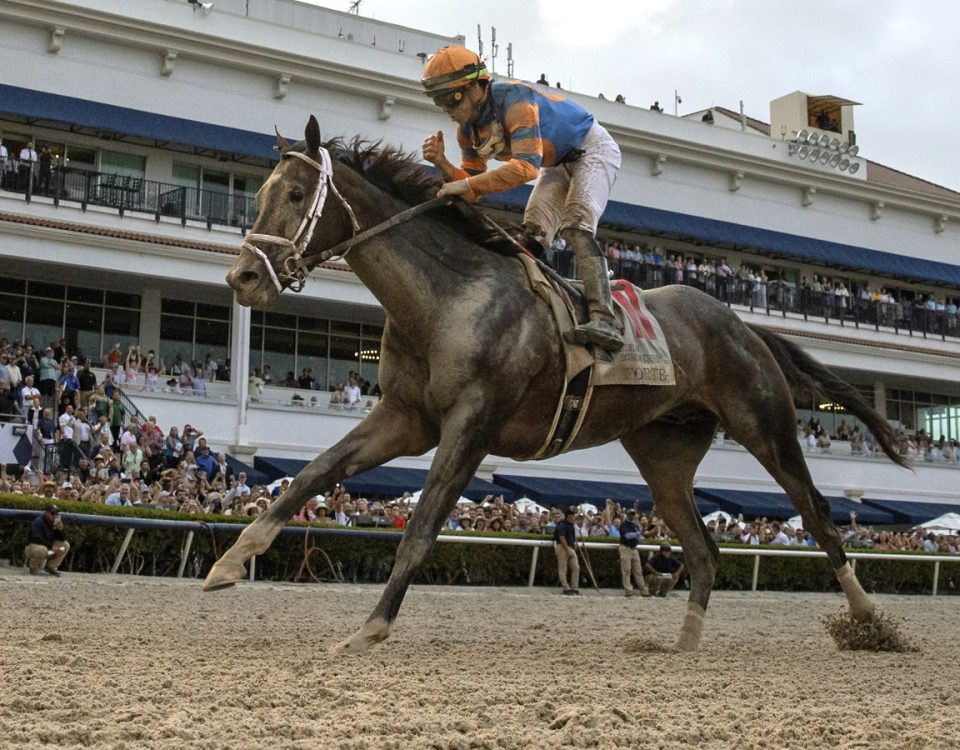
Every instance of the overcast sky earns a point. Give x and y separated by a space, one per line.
900 59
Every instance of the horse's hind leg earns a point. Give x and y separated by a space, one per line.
764 423
667 456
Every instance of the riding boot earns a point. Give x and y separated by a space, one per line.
602 329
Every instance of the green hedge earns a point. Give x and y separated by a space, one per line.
369 558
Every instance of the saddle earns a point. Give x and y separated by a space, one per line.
644 360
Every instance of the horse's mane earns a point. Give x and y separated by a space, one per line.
401 176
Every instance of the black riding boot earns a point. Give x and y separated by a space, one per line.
602 329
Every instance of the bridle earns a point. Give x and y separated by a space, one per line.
293 274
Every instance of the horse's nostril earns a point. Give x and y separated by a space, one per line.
248 277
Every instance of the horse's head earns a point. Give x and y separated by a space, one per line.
290 204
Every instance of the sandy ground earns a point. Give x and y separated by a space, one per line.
122 662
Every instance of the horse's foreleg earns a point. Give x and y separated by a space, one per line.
380 437
457 458
667 456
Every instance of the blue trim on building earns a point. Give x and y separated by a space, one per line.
40 105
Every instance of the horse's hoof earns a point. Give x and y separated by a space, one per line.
363 640
223 577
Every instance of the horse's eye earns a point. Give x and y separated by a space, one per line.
296 195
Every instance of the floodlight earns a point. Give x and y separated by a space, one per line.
844 147
824 157
834 144
802 135
803 151
853 150
854 167
792 149
814 154
834 160
823 141
844 163
812 138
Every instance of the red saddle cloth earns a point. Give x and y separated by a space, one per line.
627 296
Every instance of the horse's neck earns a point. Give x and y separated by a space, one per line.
405 280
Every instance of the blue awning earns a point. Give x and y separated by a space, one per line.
778 505
109 118
739 236
551 491
910 512
254 476
383 480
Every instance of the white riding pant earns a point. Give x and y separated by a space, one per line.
574 195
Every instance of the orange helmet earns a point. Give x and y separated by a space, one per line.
452 68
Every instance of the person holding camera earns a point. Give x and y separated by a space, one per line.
47 545
631 568
663 571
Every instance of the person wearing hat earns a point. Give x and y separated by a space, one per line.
663 571
565 545
540 136
47 545
631 568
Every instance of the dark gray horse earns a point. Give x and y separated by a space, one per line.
471 364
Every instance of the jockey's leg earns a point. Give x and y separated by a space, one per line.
602 328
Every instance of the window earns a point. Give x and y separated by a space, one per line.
129 165
191 330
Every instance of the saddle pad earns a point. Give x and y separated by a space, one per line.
645 357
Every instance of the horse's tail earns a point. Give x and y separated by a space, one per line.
810 382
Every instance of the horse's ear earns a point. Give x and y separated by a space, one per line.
312 134
281 145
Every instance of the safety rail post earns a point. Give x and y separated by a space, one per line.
185 553
756 572
936 576
533 566
123 550
253 569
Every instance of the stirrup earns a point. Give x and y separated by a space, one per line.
596 332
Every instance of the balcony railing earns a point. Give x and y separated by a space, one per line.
125 193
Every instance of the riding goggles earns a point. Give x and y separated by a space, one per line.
448 99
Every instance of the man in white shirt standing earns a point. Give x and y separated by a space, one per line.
28 162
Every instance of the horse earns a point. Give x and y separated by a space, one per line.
472 364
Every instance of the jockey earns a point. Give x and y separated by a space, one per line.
542 135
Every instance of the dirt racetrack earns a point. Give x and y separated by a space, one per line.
127 662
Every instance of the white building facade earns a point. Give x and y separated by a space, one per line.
160 116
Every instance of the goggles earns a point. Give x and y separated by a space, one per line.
449 99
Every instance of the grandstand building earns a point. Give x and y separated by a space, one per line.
159 118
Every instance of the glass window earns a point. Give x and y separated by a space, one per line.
44 321
344 328
119 299
344 357
279 351
11 316
129 165
50 291
83 329
213 312
14 286
79 294
186 175
81 157
279 320
176 338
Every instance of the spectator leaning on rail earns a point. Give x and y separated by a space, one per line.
542 135
47 545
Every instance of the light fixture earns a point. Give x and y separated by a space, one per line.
803 151
854 168
829 151
802 135
813 138
834 160
834 144
844 163
844 147
824 157
853 150
814 154
823 141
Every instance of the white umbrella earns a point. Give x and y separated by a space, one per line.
587 508
796 522
716 516
415 498
524 504
946 522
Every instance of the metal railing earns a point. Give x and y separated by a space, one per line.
191 527
135 194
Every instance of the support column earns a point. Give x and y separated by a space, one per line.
240 378
150 322
880 398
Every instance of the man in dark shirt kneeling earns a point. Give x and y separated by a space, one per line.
663 571
48 545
